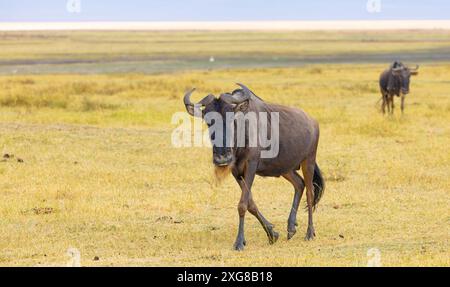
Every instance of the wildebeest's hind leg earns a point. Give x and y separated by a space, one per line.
299 185
308 172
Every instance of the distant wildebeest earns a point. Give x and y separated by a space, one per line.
395 82
298 140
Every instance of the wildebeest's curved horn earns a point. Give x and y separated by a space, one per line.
414 69
190 106
187 98
206 100
246 90
237 98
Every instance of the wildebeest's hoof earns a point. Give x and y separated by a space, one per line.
291 229
273 237
291 234
239 246
310 234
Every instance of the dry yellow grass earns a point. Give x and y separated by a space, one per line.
99 172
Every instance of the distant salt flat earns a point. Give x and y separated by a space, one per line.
234 26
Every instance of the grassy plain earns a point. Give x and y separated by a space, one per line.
97 171
161 52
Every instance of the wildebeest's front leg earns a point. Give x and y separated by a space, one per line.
388 103
245 182
247 203
383 104
392 105
299 185
402 106
268 227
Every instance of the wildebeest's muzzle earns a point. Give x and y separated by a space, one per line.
222 156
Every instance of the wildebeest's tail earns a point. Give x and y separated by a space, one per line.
319 185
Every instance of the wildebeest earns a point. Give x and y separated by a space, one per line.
298 141
395 81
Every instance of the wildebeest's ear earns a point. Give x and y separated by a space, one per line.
414 71
241 107
190 109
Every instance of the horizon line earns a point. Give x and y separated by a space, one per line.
300 25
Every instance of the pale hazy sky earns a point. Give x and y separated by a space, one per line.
221 10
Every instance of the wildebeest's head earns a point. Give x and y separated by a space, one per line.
404 73
209 108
